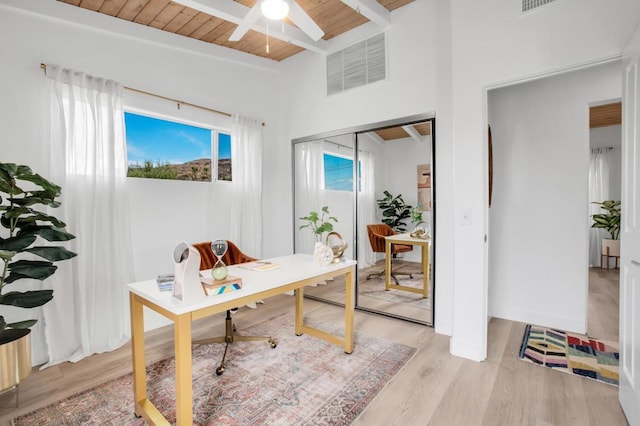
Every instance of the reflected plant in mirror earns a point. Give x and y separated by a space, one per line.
395 211
319 223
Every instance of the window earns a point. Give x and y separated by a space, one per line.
224 157
164 149
338 173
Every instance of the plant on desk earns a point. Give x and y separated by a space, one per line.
319 223
23 258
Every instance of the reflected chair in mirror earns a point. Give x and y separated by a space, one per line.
233 256
376 233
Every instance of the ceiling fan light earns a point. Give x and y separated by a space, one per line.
274 9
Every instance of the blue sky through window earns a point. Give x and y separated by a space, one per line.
165 141
338 173
224 146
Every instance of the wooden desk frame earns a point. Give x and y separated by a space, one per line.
182 337
407 240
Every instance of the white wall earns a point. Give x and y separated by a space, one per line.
163 212
418 82
494 44
539 216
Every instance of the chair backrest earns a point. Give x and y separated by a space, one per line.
377 232
233 256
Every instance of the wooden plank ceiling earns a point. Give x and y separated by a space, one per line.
399 132
333 16
605 115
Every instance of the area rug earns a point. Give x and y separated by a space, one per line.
302 381
571 353
374 287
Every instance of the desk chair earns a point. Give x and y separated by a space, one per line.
377 232
233 256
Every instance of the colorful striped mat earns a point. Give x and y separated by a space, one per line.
571 353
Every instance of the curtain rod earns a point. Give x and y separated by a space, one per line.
44 67
337 144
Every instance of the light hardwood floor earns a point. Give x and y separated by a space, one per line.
434 388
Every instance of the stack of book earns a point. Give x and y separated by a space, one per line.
213 287
165 282
259 265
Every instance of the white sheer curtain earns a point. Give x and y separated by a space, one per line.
88 313
599 176
309 186
246 204
366 208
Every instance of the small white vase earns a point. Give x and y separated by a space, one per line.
322 254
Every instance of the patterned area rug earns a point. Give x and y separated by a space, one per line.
374 287
302 381
571 353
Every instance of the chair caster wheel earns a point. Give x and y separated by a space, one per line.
298 334
273 345
219 371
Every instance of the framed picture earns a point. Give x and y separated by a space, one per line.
424 186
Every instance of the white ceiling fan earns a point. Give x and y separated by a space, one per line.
276 10
306 34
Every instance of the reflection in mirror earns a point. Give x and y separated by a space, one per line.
324 177
396 196
391 189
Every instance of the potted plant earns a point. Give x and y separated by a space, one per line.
23 257
394 211
611 222
319 223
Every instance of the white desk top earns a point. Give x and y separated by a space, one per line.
407 238
293 268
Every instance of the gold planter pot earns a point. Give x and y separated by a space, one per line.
15 357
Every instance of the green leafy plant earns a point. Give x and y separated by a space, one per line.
394 211
23 227
416 215
609 220
319 223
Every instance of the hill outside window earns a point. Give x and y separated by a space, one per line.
160 148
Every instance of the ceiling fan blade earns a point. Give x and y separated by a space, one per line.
304 21
250 18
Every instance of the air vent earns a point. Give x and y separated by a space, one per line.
357 65
532 4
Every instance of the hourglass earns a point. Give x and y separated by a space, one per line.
219 270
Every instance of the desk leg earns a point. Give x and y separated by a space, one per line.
425 270
349 306
387 264
137 351
299 311
184 388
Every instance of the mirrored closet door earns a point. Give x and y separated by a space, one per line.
324 177
379 182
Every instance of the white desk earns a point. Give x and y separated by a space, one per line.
295 272
407 239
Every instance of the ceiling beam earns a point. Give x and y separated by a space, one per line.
372 10
375 137
234 12
414 133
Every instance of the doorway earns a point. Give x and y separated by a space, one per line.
539 215
605 172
